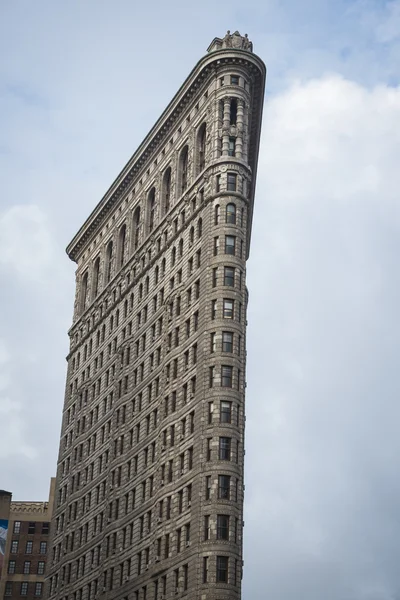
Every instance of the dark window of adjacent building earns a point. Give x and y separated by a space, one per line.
232 146
230 215
224 448
8 590
229 276
11 567
222 527
231 187
14 547
222 569
45 528
228 308
40 567
27 567
38 588
227 341
17 526
230 243
226 412
226 376
235 79
43 548
224 483
31 528
29 546
24 588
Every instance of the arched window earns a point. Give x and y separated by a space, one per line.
136 228
122 244
84 290
180 247
173 256
109 258
140 291
147 285
216 214
166 191
199 228
156 274
201 147
231 213
191 235
163 267
151 208
95 277
183 167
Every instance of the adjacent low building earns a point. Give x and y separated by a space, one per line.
24 541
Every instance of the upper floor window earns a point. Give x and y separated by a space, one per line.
84 290
230 244
231 182
183 168
201 147
109 257
136 227
96 276
166 191
231 213
222 569
234 79
17 526
151 207
217 211
233 111
122 245
232 146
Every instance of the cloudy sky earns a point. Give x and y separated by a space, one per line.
81 83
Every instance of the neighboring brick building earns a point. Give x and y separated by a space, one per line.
25 528
149 495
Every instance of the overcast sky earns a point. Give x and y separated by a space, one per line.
81 83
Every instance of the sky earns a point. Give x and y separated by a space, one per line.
81 84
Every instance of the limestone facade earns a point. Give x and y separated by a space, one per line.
149 494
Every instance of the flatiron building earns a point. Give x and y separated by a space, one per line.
149 492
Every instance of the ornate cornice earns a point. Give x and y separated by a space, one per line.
161 131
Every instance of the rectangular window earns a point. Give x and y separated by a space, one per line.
213 343
222 527
224 484
227 341
214 310
230 243
27 567
231 182
8 590
208 487
14 547
43 548
211 377
24 588
232 146
210 412
226 376
229 276
214 277
40 567
29 546
224 448
226 412
17 526
216 245
234 79
218 186
38 588
228 308
205 569
206 527
11 567
31 528
222 569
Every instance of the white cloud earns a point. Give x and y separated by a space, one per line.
25 242
322 447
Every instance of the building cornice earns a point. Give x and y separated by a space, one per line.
162 129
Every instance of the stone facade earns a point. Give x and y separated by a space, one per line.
26 545
149 494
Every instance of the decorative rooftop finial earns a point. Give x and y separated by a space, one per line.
232 40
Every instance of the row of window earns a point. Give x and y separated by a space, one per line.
28 547
32 527
24 588
26 570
